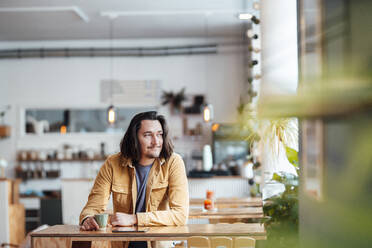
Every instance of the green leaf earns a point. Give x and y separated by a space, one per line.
271 212
277 177
292 156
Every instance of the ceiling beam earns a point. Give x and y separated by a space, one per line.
77 10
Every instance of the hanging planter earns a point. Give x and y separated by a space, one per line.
5 130
174 100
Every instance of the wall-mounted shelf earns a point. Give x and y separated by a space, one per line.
60 160
37 169
68 120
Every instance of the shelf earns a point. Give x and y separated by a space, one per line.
60 160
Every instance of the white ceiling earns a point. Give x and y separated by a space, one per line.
23 20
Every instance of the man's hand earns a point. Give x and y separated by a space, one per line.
89 224
122 219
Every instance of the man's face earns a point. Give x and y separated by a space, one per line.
150 137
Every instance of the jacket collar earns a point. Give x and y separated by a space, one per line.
128 162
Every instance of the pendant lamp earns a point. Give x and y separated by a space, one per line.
111 111
208 113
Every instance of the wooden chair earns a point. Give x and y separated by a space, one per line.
244 242
180 245
8 245
219 242
198 242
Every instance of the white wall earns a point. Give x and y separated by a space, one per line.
69 82
279 69
279 46
75 81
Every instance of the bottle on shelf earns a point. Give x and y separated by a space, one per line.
207 158
209 201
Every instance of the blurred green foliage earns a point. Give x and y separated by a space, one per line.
281 211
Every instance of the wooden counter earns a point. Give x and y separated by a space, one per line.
230 202
227 213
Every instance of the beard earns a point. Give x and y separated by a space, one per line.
154 152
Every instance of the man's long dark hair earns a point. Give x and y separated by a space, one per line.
130 146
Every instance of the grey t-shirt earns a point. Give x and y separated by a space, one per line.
142 173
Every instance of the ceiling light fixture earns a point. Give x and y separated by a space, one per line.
111 113
208 108
208 113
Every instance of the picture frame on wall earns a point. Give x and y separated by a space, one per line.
312 157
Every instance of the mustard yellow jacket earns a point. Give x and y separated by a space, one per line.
167 196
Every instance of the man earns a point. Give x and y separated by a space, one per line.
147 180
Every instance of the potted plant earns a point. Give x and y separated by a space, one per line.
174 100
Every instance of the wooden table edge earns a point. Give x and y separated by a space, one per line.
240 216
140 235
35 239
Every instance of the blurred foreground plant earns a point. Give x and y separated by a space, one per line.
281 210
276 136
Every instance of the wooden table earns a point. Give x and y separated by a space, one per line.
63 235
231 202
227 213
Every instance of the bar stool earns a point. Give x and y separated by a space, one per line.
219 242
198 242
244 242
